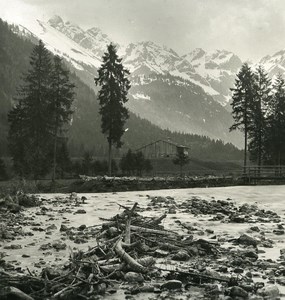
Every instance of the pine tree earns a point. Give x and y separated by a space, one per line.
275 144
3 171
30 120
17 140
261 101
181 158
242 102
112 77
60 108
127 162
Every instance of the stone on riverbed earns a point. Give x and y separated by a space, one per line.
269 292
13 247
247 240
181 255
172 285
80 211
236 218
82 227
50 273
250 254
255 228
134 277
63 227
52 227
59 246
238 292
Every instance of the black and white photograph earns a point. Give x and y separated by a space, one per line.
142 149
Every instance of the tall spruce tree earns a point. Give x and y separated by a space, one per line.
17 140
112 77
60 106
275 144
30 120
242 104
3 170
260 107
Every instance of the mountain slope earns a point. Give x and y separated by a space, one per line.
177 104
275 63
85 132
219 68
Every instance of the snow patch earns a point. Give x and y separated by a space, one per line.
140 96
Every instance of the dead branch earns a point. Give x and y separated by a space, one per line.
153 231
128 224
128 259
62 292
156 221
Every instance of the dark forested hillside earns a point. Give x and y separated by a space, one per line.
85 132
14 58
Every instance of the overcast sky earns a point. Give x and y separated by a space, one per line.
250 28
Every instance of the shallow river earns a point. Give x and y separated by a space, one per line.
105 205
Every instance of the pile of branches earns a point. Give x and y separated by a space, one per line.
128 247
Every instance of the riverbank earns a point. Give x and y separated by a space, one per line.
104 184
247 238
101 184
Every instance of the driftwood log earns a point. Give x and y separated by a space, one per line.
11 292
137 267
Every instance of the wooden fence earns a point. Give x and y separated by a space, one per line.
254 174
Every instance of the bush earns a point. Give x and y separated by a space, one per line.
135 163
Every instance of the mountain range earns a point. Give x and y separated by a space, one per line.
179 93
185 93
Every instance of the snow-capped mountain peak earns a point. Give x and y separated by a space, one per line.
274 64
217 59
55 21
93 39
151 56
195 55
218 68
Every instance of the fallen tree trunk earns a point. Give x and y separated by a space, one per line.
11 292
137 267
